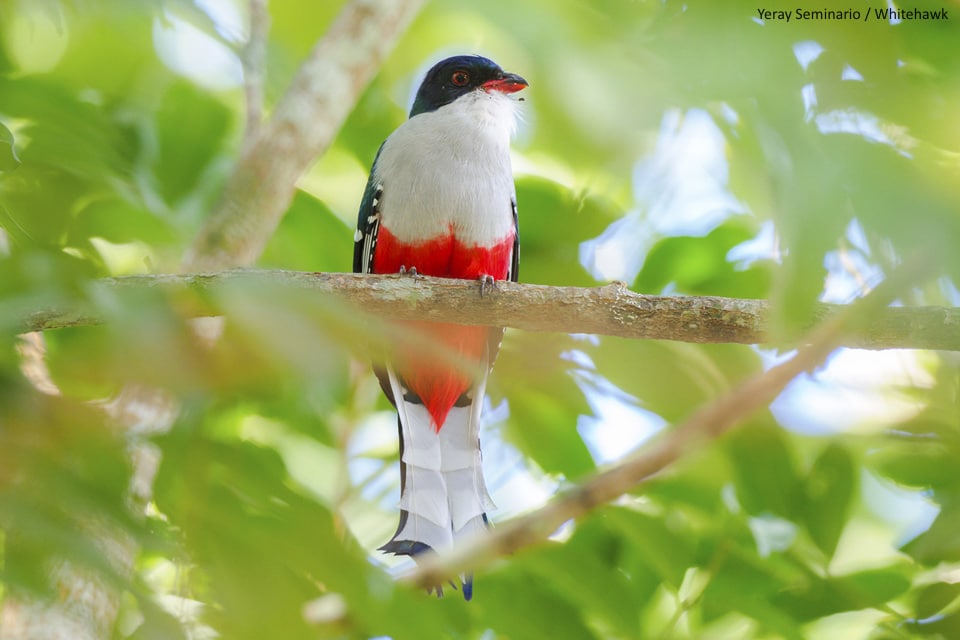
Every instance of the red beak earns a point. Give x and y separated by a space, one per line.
509 83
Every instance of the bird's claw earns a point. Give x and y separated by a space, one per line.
438 589
487 280
412 272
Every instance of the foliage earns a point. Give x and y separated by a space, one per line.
665 144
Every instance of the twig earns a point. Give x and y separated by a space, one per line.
706 424
254 67
611 310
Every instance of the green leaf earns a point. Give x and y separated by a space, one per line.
764 468
672 379
829 492
940 628
233 500
60 470
875 587
536 378
513 604
699 265
79 361
939 543
553 222
602 569
668 378
310 238
816 597
663 543
192 127
695 482
919 462
38 201
157 624
119 221
746 583
8 150
589 575
934 598
63 132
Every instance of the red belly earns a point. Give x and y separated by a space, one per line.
435 382
444 257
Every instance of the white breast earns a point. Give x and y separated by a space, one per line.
450 169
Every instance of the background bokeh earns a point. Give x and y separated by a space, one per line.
689 148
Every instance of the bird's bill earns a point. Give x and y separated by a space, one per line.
509 83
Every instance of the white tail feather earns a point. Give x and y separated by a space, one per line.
444 495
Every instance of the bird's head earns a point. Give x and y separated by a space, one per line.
458 76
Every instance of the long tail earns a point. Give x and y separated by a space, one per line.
443 497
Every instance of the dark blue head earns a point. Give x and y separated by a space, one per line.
457 76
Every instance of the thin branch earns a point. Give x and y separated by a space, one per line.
303 125
706 424
254 60
611 310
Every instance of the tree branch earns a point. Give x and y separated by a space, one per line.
707 424
254 59
303 125
611 310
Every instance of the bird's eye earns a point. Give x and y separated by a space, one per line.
460 78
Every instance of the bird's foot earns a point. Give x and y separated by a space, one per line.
415 549
487 282
412 272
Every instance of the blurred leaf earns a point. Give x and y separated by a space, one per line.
63 131
694 482
764 468
876 586
78 360
63 489
509 605
832 135
231 501
544 402
310 238
920 462
8 150
118 221
36 213
699 266
661 542
940 628
815 597
278 336
934 598
670 378
553 222
34 278
940 542
110 49
748 584
157 624
191 126
829 489
372 120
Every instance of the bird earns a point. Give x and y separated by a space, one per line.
441 201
